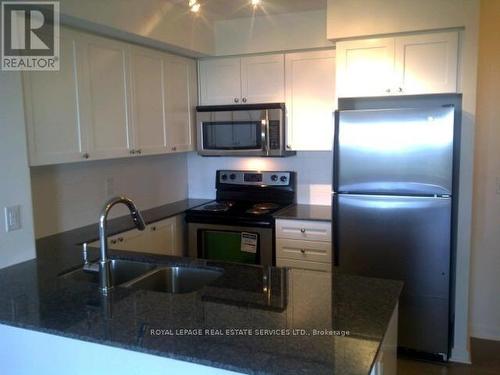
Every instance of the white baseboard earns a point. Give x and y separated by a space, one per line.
460 355
485 332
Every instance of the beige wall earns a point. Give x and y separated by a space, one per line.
485 274
69 196
160 23
359 18
16 246
281 32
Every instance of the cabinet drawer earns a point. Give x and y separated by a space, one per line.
304 230
314 251
303 264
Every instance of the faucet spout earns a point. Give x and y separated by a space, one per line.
105 282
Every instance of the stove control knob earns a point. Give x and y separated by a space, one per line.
223 177
274 177
232 176
283 178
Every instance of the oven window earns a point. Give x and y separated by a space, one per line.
230 246
232 135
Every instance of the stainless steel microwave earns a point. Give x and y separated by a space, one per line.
242 130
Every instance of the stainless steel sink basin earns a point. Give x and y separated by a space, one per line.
121 272
176 279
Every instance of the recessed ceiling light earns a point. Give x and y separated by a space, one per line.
255 2
194 6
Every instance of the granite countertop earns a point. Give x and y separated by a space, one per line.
305 212
280 307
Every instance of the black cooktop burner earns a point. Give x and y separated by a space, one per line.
245 198
217 206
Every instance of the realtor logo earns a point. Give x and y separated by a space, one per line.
30 35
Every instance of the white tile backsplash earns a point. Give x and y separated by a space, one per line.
314 173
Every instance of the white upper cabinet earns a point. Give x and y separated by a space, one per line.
106 84
416 64
427 63
148 86
55 133
310 100
109 99
246 80
220 81
262 79
365 67
180 102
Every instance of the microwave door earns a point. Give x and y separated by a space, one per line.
232 133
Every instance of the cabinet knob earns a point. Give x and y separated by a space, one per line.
388 91
244 100
174 148
153 228
85 155
400 89
132 152
302 251
120 239
236 100
139 151
113 242
302 230
288 147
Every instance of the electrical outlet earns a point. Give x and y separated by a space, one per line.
109 187
12 218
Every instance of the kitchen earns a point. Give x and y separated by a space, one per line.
119 117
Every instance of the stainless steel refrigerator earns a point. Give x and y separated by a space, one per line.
395 173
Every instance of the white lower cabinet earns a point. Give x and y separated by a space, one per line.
164 237
304 244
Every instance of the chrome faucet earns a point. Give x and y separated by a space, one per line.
105 282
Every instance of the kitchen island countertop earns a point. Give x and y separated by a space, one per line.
335 325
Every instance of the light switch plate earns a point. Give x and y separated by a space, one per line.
12 218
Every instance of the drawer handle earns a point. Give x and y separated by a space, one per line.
302 230
302 251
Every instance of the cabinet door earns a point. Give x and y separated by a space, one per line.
220 81
427 63
180 102
167 236
146 67
106 97
365 67
310 100
54 128
263 79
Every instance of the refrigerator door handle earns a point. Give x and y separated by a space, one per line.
335 232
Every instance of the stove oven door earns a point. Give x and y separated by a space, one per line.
231 243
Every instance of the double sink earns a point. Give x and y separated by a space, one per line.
148 276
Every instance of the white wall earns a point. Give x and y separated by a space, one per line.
170 25
314 173
69 196
25 352
281 32
16 246
485 279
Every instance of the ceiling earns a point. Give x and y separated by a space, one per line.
229 9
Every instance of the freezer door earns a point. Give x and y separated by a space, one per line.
402 238
395 151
